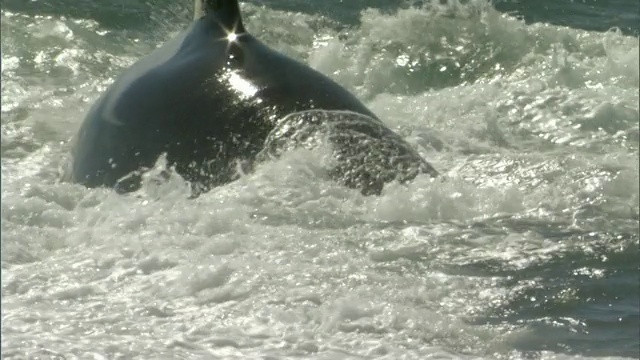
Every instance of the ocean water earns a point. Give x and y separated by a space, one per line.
528 250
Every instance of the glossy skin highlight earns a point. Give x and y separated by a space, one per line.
207 99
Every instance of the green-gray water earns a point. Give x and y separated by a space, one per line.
529 249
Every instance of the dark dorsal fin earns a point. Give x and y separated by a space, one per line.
227 13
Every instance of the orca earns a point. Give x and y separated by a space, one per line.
215 97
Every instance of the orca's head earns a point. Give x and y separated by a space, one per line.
226 13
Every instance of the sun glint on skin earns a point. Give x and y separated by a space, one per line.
232 35
242 86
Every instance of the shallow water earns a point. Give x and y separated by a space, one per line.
528 250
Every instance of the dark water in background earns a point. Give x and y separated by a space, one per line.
599 15
571 278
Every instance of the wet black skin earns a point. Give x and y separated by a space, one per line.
205 99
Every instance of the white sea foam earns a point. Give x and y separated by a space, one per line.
535 131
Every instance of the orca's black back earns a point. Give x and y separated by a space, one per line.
205 100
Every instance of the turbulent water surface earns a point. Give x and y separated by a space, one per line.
528 249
